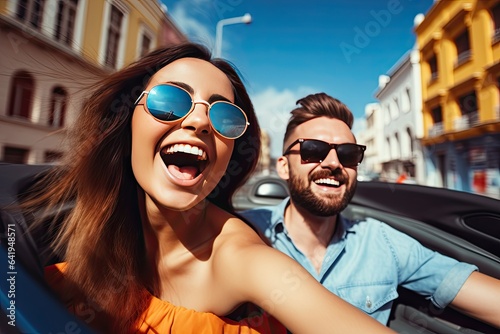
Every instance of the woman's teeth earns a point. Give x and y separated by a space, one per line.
186 148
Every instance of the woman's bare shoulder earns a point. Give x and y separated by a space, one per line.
233 230
241 250
241 255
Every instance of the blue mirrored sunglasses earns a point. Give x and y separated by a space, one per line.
168 103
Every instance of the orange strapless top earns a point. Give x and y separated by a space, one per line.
163 317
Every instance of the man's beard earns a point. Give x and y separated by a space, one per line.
327 205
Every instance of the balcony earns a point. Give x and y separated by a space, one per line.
466 121
463 57
496 36
433 78
436 130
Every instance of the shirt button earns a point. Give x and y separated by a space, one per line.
368 302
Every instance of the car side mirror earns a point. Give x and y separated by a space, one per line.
271 190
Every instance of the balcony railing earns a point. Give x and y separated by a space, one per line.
433 78
463 57
466 121
496 35
436 130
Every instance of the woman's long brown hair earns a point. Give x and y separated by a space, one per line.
102 239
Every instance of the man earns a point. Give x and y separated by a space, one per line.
362 262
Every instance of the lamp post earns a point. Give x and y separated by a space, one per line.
247 19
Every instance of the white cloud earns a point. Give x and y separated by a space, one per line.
183 15
273 111
197 19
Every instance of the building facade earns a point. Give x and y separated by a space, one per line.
394 125
459 43
52 50
371 137
399 96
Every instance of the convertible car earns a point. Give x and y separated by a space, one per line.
462 225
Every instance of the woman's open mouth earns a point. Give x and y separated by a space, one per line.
184 161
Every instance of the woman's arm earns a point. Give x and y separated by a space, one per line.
284 289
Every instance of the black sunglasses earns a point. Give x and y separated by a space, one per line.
313 150
168 103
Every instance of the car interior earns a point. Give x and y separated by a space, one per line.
461 225
27 303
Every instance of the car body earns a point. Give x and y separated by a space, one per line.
461 225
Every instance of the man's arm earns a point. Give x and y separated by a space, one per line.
479 298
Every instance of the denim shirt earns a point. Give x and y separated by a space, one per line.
367 260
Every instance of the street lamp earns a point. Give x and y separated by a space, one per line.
247 19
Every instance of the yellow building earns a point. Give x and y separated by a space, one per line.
52 50
459 43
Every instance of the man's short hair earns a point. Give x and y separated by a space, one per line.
318 105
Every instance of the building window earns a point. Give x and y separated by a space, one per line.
495 13
396 109
114 29
462 43
407 100
65 24
397 146
388 114
410 141
468 108
15 155
21 95
433 67
145 41
58 102
468 103
145 45
30 12
437 118
437 115
389 150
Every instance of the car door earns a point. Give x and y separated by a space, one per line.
461 225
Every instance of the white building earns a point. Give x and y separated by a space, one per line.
370 136
399 94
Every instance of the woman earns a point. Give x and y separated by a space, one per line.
157 153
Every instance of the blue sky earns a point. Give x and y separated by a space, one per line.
294 48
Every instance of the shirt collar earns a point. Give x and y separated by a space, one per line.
278 217
341 229
278 222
